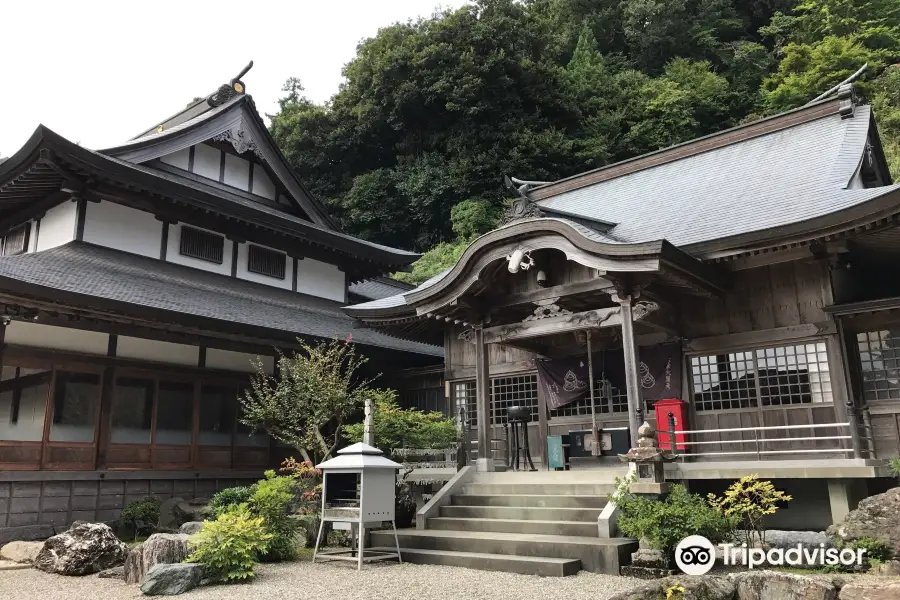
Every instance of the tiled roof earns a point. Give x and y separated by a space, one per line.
112 275
772 180
379 287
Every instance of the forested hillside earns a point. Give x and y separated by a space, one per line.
411 151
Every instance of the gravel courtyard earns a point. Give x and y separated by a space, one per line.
335 581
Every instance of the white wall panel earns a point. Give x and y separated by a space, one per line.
173 255
156 351
236 361
58 226
237 172
33 236
207 161
320 279
262 185
123 228
57 338
180 159
244 273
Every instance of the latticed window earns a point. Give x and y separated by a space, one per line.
203 245
879 361
517 390
266 262
464 397
779 375
16 241
607 398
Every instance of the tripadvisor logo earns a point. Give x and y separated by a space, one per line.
696 555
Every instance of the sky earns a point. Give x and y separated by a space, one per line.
100 72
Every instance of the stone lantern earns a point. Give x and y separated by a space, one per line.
649 463
359 489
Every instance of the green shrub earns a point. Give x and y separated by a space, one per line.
229 497
139 518
750 501
876 550
228 547
894 465
271 499
666 522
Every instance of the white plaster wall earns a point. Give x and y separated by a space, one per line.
156 351
236 361
180 159
173 255
244 273
33 237
58 226
207 161
237 172
320 279
123 228
57 338
262 185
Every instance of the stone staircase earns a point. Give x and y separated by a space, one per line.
542 523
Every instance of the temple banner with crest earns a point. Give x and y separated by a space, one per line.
564 381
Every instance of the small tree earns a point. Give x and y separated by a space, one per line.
750 500
319 387
395 427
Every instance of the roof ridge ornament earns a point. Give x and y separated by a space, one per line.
522 207
240 139
229 90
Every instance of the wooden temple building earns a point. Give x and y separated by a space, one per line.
138 286
750 274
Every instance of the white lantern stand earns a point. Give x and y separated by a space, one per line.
358 488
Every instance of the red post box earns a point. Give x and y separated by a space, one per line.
678 409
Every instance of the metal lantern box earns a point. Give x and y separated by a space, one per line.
359 488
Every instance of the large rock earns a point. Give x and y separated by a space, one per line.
83 549
876 517
21 552
168 580
191 527
702 587
308 530
771 585
890 568
173 513
159 548
872 588
114 573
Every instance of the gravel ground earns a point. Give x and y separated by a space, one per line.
336 581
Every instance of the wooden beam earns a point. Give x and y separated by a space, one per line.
591 319
557 291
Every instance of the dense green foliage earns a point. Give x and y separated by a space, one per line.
395 427
665 523
434 112
229 546
229 497
750 501
139 518
272 499
319 387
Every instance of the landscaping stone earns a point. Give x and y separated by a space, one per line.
889 568
309 530
83 549
876 517
191 527
114 573
871 588
703 587
169 580
173 513
9 565
776 538
21 552
159 548
772 585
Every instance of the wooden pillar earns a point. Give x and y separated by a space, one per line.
483 402
632 364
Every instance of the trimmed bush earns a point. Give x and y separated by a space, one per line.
139 518
229 547
229 497
271 498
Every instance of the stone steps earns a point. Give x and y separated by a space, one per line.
599 489
525 565
596 555
569 528
530 500
522 513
